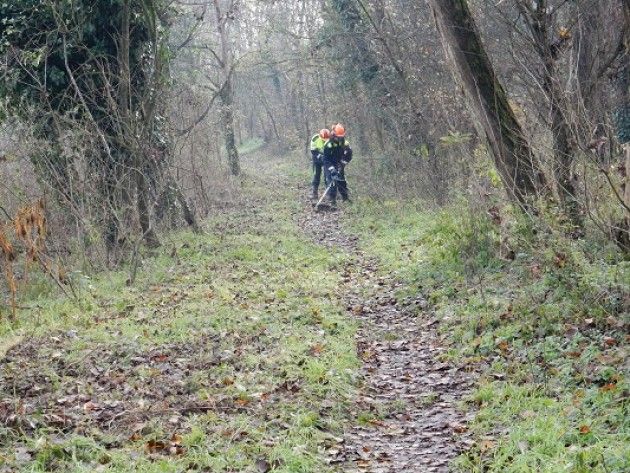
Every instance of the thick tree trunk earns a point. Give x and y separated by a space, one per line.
519 172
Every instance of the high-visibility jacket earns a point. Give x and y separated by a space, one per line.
317 143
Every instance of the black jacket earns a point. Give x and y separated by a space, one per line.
337 150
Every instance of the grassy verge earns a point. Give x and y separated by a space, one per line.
546 329
230 353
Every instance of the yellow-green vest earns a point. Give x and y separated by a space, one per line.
317 143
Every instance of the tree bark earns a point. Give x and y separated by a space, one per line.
548 49
227 94
563 153
513 158
622 122
142 203
137 156
227 114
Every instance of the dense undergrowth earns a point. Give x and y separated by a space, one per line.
543 322
230 352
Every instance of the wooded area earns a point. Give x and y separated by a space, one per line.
155 158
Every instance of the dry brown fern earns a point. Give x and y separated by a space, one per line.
30 230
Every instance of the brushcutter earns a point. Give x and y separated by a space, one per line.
335 177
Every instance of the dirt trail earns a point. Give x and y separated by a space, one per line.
408 397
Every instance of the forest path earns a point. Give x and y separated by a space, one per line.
236 350
406 410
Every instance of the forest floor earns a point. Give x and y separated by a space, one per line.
268 343
291 341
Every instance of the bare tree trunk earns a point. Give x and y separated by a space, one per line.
563 153
548 49
144 216
142 187
227 113
519 172
227 94
623 132
187 210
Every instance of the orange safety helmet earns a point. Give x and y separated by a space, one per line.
324 133
339 130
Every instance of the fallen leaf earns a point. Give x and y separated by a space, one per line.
486 445
584 429
316 349
263 465
176 450
90 406
610 341
459 428
155 446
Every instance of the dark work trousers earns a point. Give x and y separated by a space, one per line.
317 169
340 185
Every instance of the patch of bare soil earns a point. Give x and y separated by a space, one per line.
407 406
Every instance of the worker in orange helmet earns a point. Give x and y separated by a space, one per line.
337 154
317 154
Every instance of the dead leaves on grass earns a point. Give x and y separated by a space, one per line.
171 447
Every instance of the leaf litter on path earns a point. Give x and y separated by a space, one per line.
410 396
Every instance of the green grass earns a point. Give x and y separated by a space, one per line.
544 329
243 321
232 347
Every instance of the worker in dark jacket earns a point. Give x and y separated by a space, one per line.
337 153
317 153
